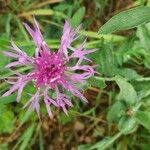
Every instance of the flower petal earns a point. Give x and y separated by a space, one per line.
10 54
12 64
63 101
70 87
20 91
69 35
35 33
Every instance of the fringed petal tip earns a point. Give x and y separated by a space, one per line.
5 94
69 35
85 100
35 33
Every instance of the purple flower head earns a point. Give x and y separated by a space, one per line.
50 70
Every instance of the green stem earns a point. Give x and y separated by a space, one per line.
105 79
72 112
113 139
113 79
143 79
107 37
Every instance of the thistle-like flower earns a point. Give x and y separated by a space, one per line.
50 70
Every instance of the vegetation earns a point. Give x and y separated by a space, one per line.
117 116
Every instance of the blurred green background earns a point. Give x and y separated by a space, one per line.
117 116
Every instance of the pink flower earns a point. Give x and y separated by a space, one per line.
50 70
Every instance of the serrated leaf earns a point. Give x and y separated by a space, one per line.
127 92
126 20
77 17
143 117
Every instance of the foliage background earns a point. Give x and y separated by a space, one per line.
117 116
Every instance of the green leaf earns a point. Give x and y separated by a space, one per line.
84 147
143 117
3 43
101 143
8 99
22 29
106 142
7 119
115 111
63 119
127 92
41 141
4 146
7 28
4 60
24 116
93 81
142 88
128 73
144 146
108 37
25 138
126 20
127 124
107 64
77 17
143 33
38 12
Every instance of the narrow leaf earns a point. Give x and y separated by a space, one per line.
8 99
39 12
107 64
126 20
106 142
77 17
